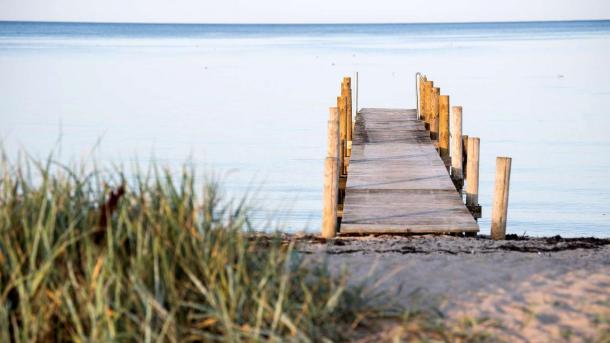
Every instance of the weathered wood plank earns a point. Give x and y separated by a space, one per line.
411 209
396 180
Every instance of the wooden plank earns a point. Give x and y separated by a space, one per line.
406 209
350 229
397 182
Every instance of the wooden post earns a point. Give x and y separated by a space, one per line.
465 155
422 79
331 176
333 142
472 181
434 114
456 147
500 206
443 129
347 93
342 131
429 103
428 85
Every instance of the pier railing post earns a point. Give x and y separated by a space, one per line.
428 85
347 93
331 177
456 147
500 205
341 106
472 181
465 155
443 128
422 79
434 114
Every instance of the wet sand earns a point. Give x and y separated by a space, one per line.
523 289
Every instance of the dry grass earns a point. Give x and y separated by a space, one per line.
87 256
152 260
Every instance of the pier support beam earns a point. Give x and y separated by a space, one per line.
331 176
434 114
342 107
472 181
500 205
422 79
346 92
443 128
457 176
427 109
465 155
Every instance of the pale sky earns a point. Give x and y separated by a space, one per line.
302 11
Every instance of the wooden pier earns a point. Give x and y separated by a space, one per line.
397 181
403 170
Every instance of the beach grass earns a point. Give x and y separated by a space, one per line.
89 256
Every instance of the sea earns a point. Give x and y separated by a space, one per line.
247 105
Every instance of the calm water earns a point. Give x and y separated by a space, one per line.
250 103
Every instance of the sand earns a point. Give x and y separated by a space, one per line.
524 290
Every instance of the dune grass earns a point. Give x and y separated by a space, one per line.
87 256
90 256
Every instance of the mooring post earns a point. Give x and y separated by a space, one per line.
500 206
472 181
331 176
443 128
456 147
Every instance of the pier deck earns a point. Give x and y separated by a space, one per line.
397 182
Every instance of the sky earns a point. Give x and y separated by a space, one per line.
302 11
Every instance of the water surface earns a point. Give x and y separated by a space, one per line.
250 102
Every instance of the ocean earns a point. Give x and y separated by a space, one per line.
249 104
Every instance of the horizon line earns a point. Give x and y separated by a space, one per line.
307 23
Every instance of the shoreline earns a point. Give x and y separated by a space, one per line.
428 243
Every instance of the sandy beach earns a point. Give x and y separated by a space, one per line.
520 290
